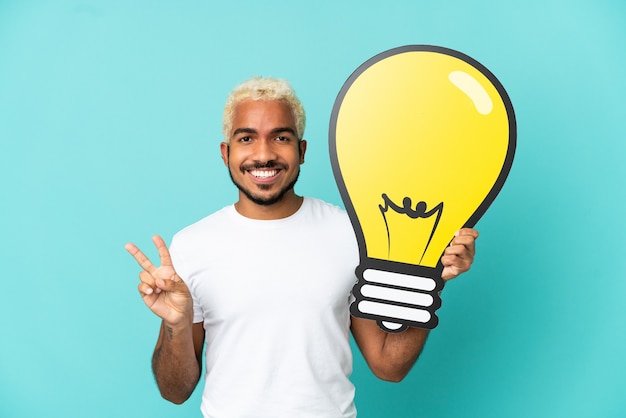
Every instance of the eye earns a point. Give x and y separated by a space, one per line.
244 139
282 138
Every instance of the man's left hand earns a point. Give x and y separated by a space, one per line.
459 255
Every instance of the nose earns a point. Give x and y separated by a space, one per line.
264 151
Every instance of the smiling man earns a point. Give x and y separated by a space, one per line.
265 284
263 155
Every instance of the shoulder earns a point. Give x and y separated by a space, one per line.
319 211
315 204
212 223
321 208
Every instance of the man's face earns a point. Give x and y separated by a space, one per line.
263 153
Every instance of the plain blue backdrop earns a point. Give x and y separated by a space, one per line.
110 120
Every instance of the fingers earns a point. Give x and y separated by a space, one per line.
462 246
154 285
170 285
458 263
465 237
144 261
148 285
459 256
164 253
140 257
467 231
146 290
151 287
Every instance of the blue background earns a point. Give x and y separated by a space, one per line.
110 119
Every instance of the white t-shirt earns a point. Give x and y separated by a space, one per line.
274 300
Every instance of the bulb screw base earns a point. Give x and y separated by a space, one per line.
397 296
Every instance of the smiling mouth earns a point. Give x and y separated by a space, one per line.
263 174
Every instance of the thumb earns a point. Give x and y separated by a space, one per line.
171 285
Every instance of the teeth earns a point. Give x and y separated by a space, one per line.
263 173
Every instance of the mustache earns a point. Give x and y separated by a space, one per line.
258 165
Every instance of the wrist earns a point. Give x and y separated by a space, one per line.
180 324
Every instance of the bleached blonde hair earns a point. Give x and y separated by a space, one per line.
263 88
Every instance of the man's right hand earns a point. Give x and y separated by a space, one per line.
162 290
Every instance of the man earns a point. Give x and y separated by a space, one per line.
266 283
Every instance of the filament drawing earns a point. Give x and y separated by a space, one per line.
420 211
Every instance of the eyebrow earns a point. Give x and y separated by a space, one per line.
273 131
244 131
285 129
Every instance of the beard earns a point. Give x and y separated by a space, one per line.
269 200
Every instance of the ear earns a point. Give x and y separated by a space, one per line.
225 151
302 150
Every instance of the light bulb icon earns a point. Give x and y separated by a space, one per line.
421 141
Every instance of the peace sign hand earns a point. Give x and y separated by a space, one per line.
162 290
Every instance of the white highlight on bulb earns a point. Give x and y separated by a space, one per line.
473 89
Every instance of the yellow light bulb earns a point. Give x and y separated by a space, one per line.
421 140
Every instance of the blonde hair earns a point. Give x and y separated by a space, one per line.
263 88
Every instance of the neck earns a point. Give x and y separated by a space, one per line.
284 208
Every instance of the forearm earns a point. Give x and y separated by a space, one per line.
174 363
399 353
389 356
